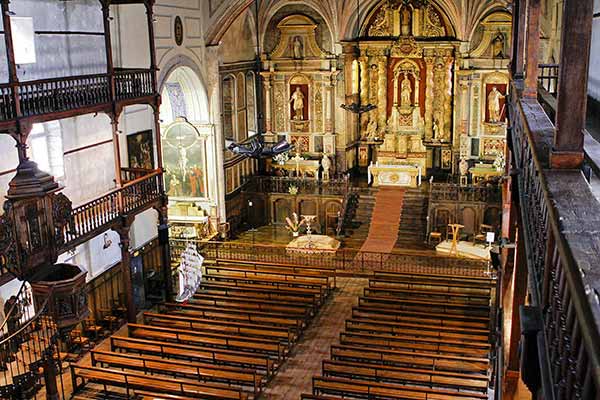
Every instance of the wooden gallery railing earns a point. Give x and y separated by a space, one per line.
100 214
47 96
464 194
275 184
560 219
548 78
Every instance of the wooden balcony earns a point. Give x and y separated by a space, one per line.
103 213
560 219
48 99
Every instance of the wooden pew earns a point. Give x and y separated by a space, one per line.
470 283
210 325
250 305
307 308
144 395
275 319
132 381
194 353
328 271
268 293
233 376
427 293
380 390
272 348
417 359
440 345
269 275
389 327
404 375
429 306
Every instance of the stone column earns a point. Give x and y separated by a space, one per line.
533 48
267 88
429 62
329 104
572 84
126 272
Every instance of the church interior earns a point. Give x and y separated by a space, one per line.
310 200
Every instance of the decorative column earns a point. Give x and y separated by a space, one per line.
364 92
429 62
123 232
13 78
329 104
267 88
447 128
533 48
163 242
382 64
518 43
572 84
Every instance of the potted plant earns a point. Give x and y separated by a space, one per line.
294 224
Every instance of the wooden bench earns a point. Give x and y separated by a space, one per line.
306 306
272 348
468 281
417 359
403 375
198 371
387 314
251 305
415 329
430 306
414 342
210 325
380 390
193 353
425 293
132 381
263 318
144 395
268 293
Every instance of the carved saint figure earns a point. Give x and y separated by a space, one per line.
463 167
405 92
298 48
436 130
326 164
498 46
372 128
405 21
494 104
297 101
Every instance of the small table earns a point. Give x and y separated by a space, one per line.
455 231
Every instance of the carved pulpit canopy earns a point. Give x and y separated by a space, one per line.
406 18
298 39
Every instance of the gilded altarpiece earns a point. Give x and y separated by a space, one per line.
407 64
299 89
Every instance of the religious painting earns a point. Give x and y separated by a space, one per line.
495 105
363 156
140 150
184 161
299 102
301 143
446 159
492 147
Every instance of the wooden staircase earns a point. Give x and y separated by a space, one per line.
385 219
413 224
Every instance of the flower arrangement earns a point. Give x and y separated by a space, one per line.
293 190
294 224
281 158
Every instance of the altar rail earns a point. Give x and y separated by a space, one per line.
102 213
81 94
351 261
465 194
560 228
276 184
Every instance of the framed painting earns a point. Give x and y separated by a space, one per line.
140 150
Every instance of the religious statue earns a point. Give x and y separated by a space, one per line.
436 130
494 105
381 25
463 167
498 46
405 22
297 101
326 164
405 92
372 129
297 48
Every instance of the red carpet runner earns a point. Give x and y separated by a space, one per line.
385 221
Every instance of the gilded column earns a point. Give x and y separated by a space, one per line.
267 89
329 104
429 61
448 98
382 62
364 91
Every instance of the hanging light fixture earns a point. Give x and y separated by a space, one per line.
357 107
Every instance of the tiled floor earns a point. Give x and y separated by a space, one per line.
295 376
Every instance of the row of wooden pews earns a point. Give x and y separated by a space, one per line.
227 342
413 337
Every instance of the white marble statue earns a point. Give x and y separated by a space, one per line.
326 164
297 47
494 104
297 101
463 167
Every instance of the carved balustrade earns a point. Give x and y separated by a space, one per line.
83 93
560 219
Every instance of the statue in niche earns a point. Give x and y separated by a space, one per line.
405 21
326 164
498 46
298 48
463 167
405 92
494 105
436 130
372 129
297 101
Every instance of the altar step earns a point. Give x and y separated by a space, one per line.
385 220
413 223
357 234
